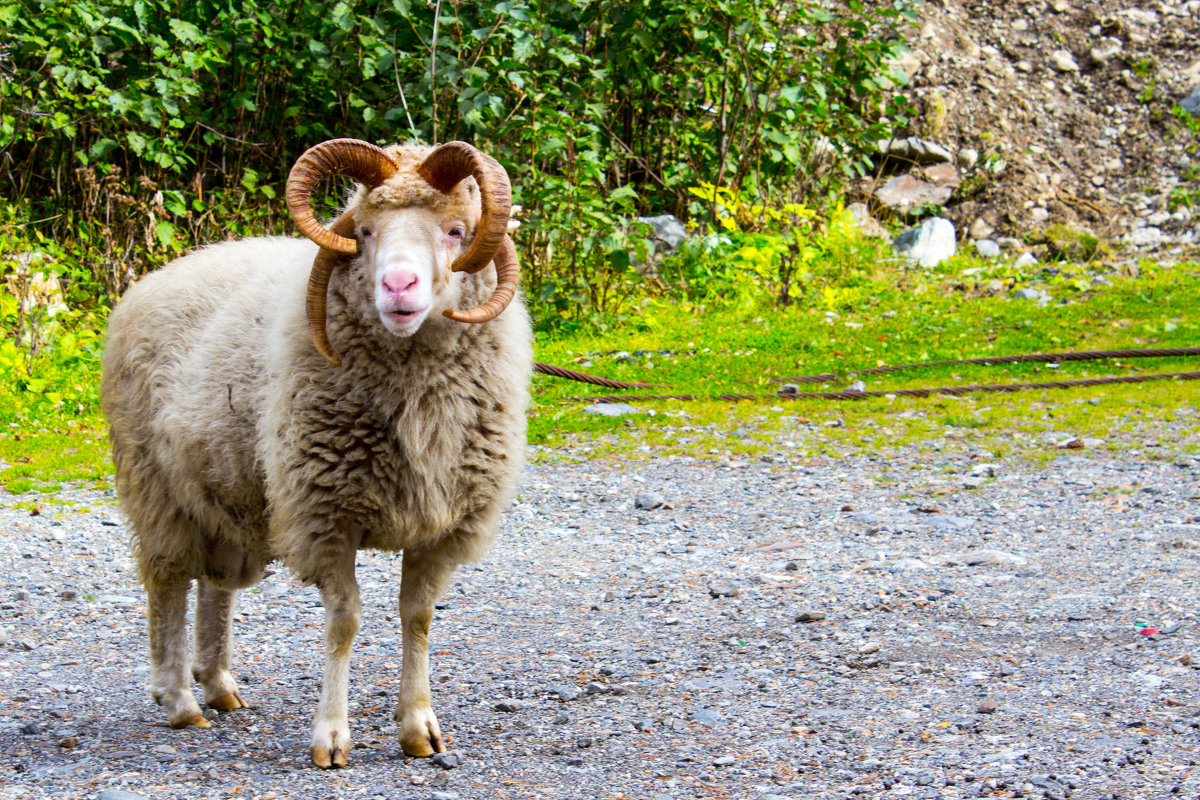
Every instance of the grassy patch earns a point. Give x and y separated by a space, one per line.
892 315
900 316
44 459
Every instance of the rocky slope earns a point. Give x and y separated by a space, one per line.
1055 116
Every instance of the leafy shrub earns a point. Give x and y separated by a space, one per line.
138 128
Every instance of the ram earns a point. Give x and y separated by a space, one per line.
390 420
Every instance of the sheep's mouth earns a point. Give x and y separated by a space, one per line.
401 317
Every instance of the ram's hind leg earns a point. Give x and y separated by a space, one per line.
214 637
425 577
170 682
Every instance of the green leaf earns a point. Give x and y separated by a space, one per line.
165 233
185 32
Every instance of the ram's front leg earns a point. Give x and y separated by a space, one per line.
424 579
343 610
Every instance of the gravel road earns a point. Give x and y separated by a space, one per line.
929 625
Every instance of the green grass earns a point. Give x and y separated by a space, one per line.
45 459
899 317
892 316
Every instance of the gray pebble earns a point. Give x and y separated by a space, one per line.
508 706
649 500
119 794
723 589
447 760
564 692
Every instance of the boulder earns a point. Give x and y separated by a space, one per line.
928 244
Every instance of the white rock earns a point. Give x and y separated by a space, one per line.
928 244
613 409
987 248
979 558
1146 237
1063 61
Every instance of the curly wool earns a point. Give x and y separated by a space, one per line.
407 188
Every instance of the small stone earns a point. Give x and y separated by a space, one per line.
1105 49
29 729
987 707
508 706
707 716
119 794
1063 61
1025 260
447 760
613 409
914 150
1149 237
668 230
724 761
987 248
723 589
1025 293
867 225
1191 103
968 157
810 616
649 500
565 692
868 648
979 558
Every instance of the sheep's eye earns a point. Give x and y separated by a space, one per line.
365 233
456 232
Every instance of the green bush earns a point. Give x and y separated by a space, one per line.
139 128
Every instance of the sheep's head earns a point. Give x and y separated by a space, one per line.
441 209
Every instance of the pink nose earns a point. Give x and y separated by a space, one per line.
399 282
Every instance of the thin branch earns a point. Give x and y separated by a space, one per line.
400 88
437 17
483 44
231 138
634 156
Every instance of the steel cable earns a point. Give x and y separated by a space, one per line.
861 395
583 377
850 394
1085 355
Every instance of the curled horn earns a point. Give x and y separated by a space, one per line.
318 288
508 273
354 158
365 163
443 169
